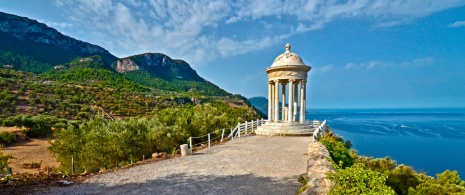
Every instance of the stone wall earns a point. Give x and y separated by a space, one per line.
317 167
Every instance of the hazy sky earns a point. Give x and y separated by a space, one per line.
363 53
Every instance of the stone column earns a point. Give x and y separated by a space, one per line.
302 101
305 97
272 101
291 96
283 101
276 101
269 101
285 113
296 98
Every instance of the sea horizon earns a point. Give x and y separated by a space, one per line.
430 140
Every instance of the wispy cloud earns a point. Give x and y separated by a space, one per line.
195 30
326 68
457 24
59 24
380 64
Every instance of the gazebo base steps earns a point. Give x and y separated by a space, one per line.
284 128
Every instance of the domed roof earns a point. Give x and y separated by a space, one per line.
288 58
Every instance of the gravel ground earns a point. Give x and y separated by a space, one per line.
249 165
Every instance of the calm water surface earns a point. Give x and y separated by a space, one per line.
430 140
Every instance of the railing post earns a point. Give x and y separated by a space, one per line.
232 133
222 135
208 141
253 125
256 124
239 130
246 126
190 144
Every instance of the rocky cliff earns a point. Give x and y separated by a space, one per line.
159 65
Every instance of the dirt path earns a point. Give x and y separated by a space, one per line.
250 165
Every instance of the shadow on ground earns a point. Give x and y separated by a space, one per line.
183 184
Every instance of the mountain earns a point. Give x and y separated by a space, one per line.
159 71
31 46
23 39
261 103
45 72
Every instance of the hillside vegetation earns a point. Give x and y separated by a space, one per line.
81 89
102 144
89 106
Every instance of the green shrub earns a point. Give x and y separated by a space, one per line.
401 178
101 143
359 180
4 160
447 182
338 150
382 165
6 138
36 126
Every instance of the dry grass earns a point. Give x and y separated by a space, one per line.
28 152
9 129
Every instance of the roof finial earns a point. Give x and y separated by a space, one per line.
288 47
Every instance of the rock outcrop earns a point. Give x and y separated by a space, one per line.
126 65
159 65
318 166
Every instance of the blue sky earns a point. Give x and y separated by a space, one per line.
363 53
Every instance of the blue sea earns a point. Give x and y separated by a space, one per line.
429 140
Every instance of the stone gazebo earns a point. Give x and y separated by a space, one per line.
287 118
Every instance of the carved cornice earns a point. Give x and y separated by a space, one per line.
300 74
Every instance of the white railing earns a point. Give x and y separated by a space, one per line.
244 128
320 130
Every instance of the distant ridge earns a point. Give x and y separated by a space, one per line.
261 103
28 37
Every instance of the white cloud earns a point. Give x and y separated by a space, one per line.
419 62
59 24
232 20
380 64
197 30
457 24
351 66
326 68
